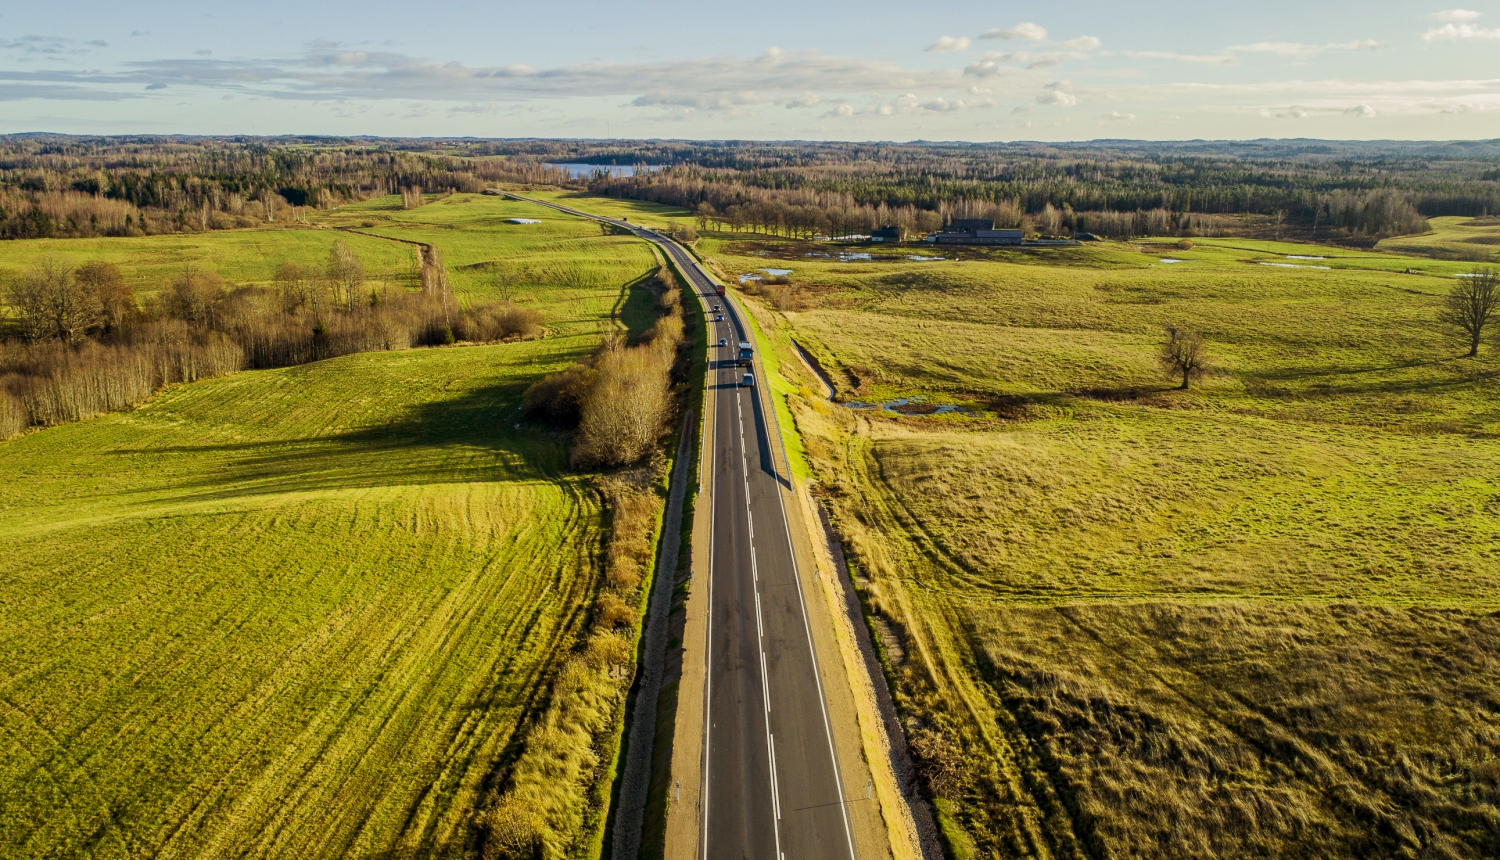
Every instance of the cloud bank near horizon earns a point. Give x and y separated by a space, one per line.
1037 82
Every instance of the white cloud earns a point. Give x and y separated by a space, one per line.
1297 49
909 104
1057 94
1463 33
949 43
1028 31
1216 59
1082 43
1116 116
841 111
804 101
1457 15
329 71
1362 110
688 101
992 66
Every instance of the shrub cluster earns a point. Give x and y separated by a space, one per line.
619 401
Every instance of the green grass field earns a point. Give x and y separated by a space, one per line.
490 258
1457 238
240 256
306 612
564 267
1249 619
296 612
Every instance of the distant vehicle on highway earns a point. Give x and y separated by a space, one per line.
719 289
717 309
747 381
747 353
719 318
723 341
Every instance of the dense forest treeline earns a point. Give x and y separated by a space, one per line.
66 187
63 186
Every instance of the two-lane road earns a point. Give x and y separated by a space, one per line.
771 784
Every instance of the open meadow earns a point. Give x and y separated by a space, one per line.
334 609
296 611
1253 618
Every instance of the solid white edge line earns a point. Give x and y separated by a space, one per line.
708 638
817 674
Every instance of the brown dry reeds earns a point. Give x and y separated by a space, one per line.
13 417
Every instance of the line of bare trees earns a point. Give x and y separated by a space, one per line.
619 401
89 347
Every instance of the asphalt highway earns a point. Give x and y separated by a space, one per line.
771 782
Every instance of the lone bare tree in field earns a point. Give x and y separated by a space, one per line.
1184 354
1471 303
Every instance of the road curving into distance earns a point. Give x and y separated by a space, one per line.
771 784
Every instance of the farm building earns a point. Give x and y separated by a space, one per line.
976 231
888 234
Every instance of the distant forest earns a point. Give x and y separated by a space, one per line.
56 185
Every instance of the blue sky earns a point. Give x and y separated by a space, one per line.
669 69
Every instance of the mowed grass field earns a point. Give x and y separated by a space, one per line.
303 612
295 612
1255 618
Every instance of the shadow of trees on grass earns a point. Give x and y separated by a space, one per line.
472 438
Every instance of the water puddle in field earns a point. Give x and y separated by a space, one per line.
1294 266
921 259
910 406
775 273
522 221
1303 257
1170 260
1471 275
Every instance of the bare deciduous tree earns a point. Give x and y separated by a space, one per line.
345 272
1471 303
52 303
293 283
195 296
1184 355
114 299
